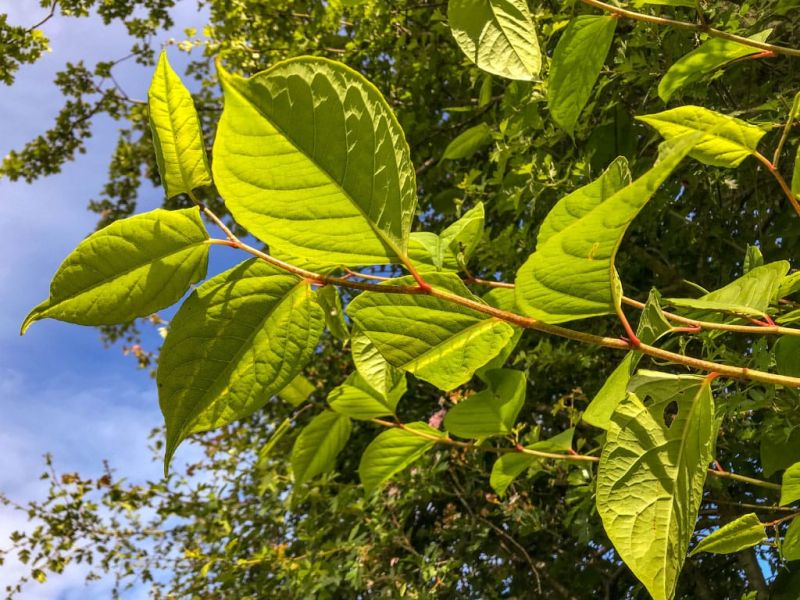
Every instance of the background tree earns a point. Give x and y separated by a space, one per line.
243 528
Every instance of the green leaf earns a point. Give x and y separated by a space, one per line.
708 57
131 268
277 436
572 275
788 286
753 258
686 3
310 158
796 174
394 450
790 486
577 60
468 142
450 250
240 338
492 411
297 390
331 303
177 137
744 532
749 295
371 365
316 448
790 548
651 475
787 355
652 325
497 35
435 340
724 141
356 399
779 449
510 466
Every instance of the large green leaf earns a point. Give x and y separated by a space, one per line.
240 338
438 341
317 446
393 450
744 532
652 325
708 57
358 400
577 61
310 158
132 268
492 411
651 475
790 485
725 141
748 295
511 465
779 448
572 275
497 35
177 137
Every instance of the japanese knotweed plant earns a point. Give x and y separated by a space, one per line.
310 160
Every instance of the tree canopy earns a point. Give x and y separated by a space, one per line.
529 176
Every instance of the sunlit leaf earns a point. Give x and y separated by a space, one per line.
651 475
177 137
725 141
790 486
240 338
709 56
435 340
790 548
577 61
316 448
356 399
297 390
497 35
394 450
132 268
371 364
331 303
511 465
310 158
572 275
492 411
744 532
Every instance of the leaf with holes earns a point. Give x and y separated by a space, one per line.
131 268
240 338
310 159
177 137
724 141
651 475
497 35
432 338
394 450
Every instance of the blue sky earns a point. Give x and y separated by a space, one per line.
60 390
